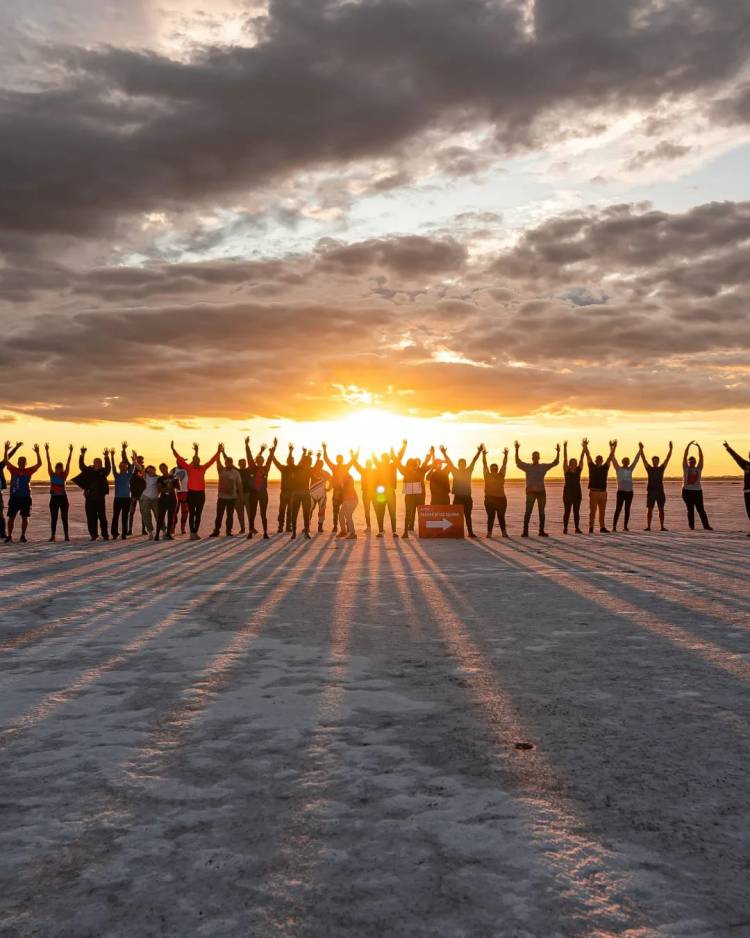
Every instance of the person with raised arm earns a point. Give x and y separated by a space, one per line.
196 486
413 472
655 494
624 471
8 453
439 479
367 485
339 470
259 467
386 480
183 509
349 502
536 493
744 465
598 472
692 489
495 500
462 483
285 490
300 493
93 481
319 485
121 505
572 494
229 493
58 497
137 488
167 484
19 502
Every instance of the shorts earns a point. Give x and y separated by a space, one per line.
182 496
655 498
19 505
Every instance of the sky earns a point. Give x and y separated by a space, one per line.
452 221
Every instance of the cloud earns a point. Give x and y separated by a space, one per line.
618 308
115 132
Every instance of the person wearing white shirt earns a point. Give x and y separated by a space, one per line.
624 471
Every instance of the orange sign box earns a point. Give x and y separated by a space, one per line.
440 520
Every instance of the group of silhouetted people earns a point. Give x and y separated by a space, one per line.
170 500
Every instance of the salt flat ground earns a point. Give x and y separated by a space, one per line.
331 738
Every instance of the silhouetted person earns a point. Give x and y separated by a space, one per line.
384 495
229 493
439 480
19 502
196 486
59 505
300 483
93 481
655 494
183 509
150 500
285 490
572 494
495 500
8 453
598 472
367 485
259 466
692 489
744 464
246 469
121 504
413 472
339 471
535 490
137 487
462 484
319 486
167 485
624 499
349 503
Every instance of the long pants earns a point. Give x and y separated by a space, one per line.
597 503
167 513
96 516
120 508
623 500
319 503
225 505
2 517
346 514
388 500
135 502
366 503
336 507
149 512
285 511
694 502
572 503
196 501
258 500
541 500
183 510
468 502
301 500
411 502
58 507
244 503
747 504
495 506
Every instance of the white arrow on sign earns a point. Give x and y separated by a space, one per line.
443 523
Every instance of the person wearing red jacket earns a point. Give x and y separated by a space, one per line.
196 473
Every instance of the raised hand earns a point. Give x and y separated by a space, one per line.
247 440
585 441
443 448
517 444
46 446
124 444
83 450
263 447
275 442
557 447
70 447
505 451
36 448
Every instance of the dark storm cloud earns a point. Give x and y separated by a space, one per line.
127 131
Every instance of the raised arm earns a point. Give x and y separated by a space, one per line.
271 457
34 469
519 462
565 454
49 464
479 452
504 465
611 458
556 460
634 461
326 460
485 467
585 452
700 456
107 463
401 452
81 464
429 458
669 456
685 455
214 458
248 453
744 464
446 457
